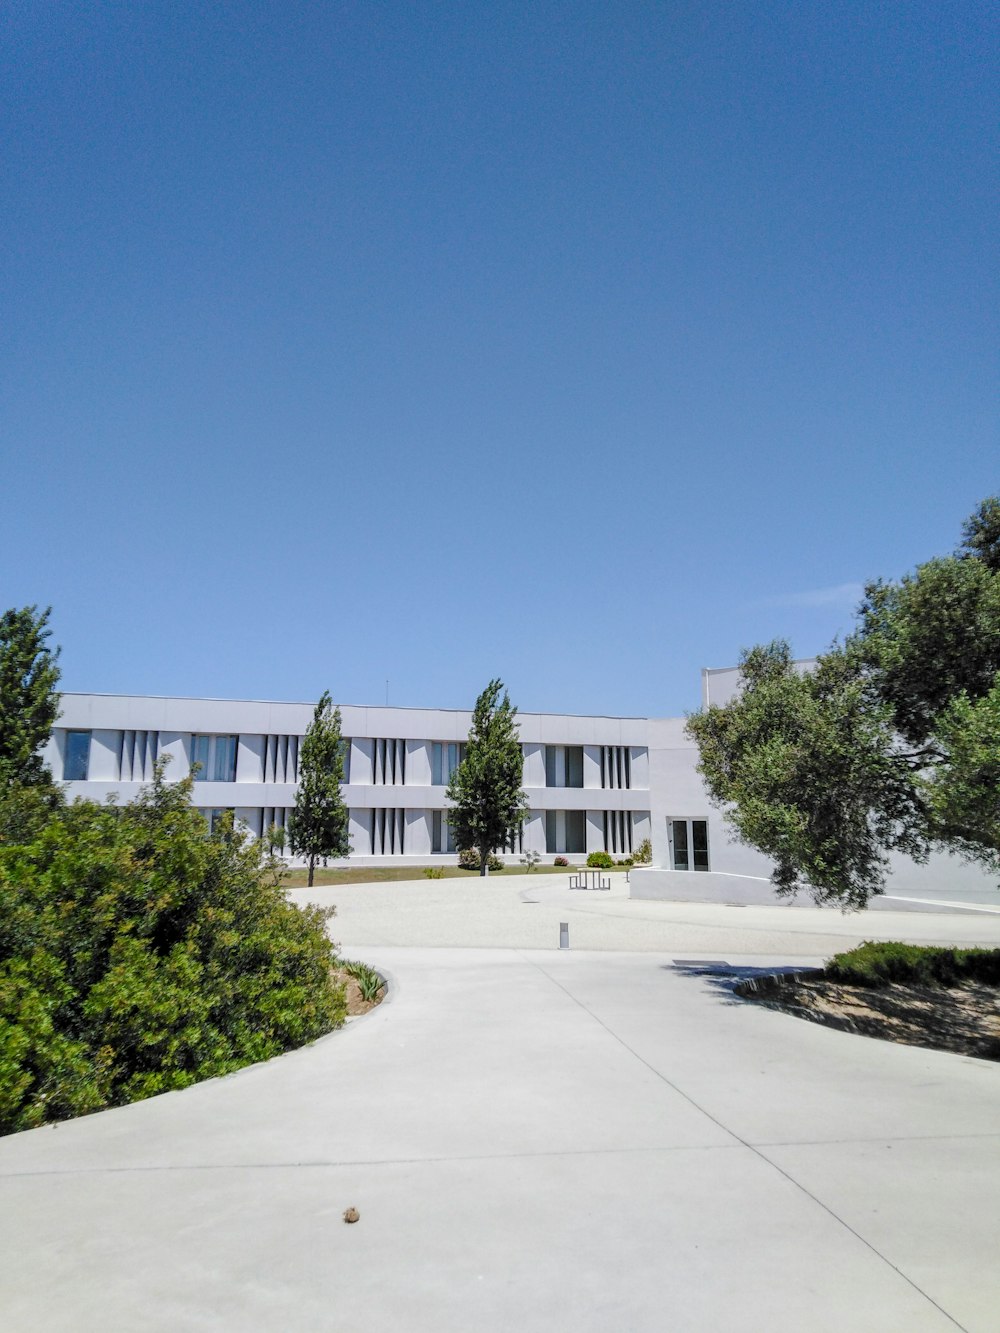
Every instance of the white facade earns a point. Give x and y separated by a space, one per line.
586 778
593 783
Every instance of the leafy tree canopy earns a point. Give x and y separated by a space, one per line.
892 744
318 826
488 804
29 703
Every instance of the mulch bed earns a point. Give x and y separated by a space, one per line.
355 1004
965 1018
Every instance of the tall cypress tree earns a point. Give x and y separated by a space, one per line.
317 828
488 804
29 702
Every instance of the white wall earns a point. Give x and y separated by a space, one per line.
665 782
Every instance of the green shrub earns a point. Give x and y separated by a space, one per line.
643 854
880 964
433 872
471 860
600 861
139 952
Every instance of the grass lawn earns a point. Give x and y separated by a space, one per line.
296 879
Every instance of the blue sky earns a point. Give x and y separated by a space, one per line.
579 344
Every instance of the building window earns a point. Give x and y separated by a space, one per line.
76 760
565 831
616 766
389 762
388 829
442 839
564 765
515 841
345 753
445 758
137 751
214 815
618 832
281 759
688 843
216 757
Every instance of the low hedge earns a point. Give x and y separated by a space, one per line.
881 964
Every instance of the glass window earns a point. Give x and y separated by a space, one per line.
699 843
224 766
688 844
216 756
565 831
441 835
199 755
564 765
445 758
680 841
576 830
76 760
345 750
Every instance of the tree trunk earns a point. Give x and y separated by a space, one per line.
312 866
484 862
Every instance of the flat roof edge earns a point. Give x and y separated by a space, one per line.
311 703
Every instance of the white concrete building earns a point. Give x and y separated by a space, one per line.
586 778
593 783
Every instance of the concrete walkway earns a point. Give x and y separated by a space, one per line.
535 1140
524 912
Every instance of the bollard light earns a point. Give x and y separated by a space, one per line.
563 934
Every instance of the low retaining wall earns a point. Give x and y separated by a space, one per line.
693 886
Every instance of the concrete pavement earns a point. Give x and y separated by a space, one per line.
535 1140
524 912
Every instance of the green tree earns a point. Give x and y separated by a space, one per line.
29 703
891 744
487 802
317 828
981 533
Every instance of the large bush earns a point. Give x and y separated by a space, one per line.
139 952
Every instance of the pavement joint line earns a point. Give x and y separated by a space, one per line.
879 1138
540 1154
757 1152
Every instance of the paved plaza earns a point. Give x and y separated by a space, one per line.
600 1138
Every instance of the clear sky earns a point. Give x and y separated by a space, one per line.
582 344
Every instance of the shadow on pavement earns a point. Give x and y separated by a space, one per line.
722 976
